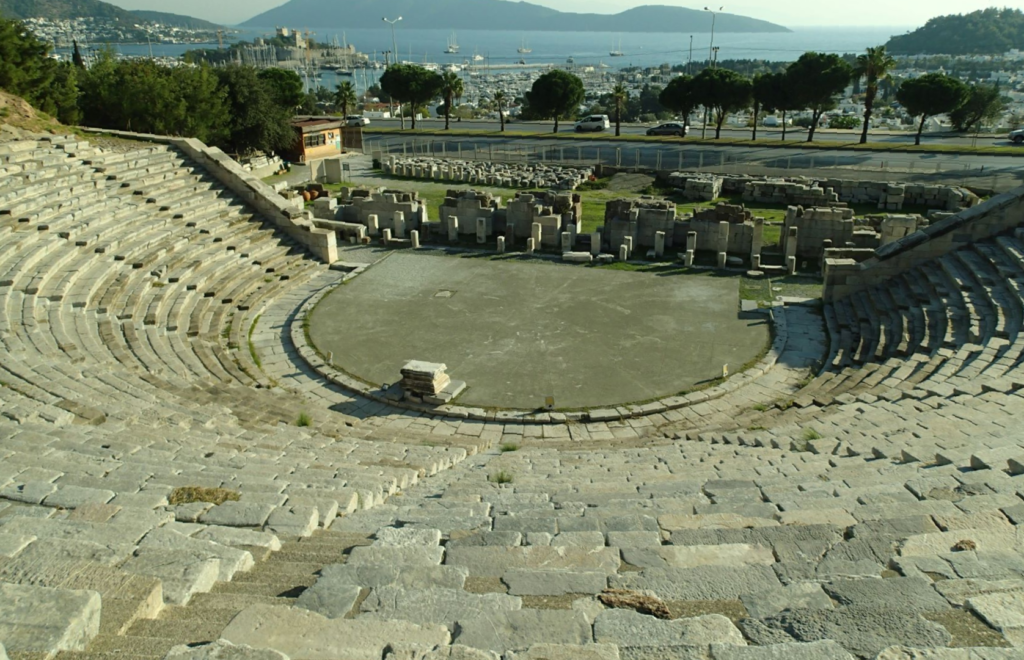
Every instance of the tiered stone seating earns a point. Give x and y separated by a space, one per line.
951 321
156 489
108 400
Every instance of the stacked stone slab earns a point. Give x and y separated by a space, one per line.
355 206
816 226
509 175
724 229
702 189
808 191
781 191
420 378
555 212
469 206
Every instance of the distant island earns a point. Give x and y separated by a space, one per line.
985 32
502 15
64 10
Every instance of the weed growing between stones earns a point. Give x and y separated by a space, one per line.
303 420
810 434
193 494
508 446
500 477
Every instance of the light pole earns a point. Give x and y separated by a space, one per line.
690 61
394 44
711 48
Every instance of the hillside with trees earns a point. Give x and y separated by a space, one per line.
55 10
985 32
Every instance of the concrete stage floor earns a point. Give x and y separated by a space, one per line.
519 331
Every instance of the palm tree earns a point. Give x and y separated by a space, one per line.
345 96
499 98
619 95
874 65
451 88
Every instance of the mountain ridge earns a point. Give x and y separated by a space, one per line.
68 9
502 15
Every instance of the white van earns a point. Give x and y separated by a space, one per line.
593 123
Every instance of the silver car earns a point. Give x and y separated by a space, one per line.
670 128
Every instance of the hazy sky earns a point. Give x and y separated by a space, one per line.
786 12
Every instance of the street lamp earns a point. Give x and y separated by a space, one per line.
394 44
714 17
711 50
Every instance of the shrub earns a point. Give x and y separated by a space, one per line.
500 477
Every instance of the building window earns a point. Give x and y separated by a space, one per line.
315 140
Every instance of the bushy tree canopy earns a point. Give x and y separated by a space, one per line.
556 95
931 94
411 84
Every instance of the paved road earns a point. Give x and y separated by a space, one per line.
762 133
984 172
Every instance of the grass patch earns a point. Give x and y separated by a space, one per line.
810 434
193 494
500 477
599 184
508 446
756 288
303 420
797 286
760 407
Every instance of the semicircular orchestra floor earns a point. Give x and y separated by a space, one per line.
518 332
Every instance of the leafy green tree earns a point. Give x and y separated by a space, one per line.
258 122
984 104
929 95
619 95
411 85
207 116
678 96
762 97
556 95
722 91
25 69
60 98
499 100
874 66
132 95
285 85
817 79
345 96
649 102
451 88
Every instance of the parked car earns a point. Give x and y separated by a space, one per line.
593 123
1017 136
670 128
356 120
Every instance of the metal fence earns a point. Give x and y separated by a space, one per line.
951 169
